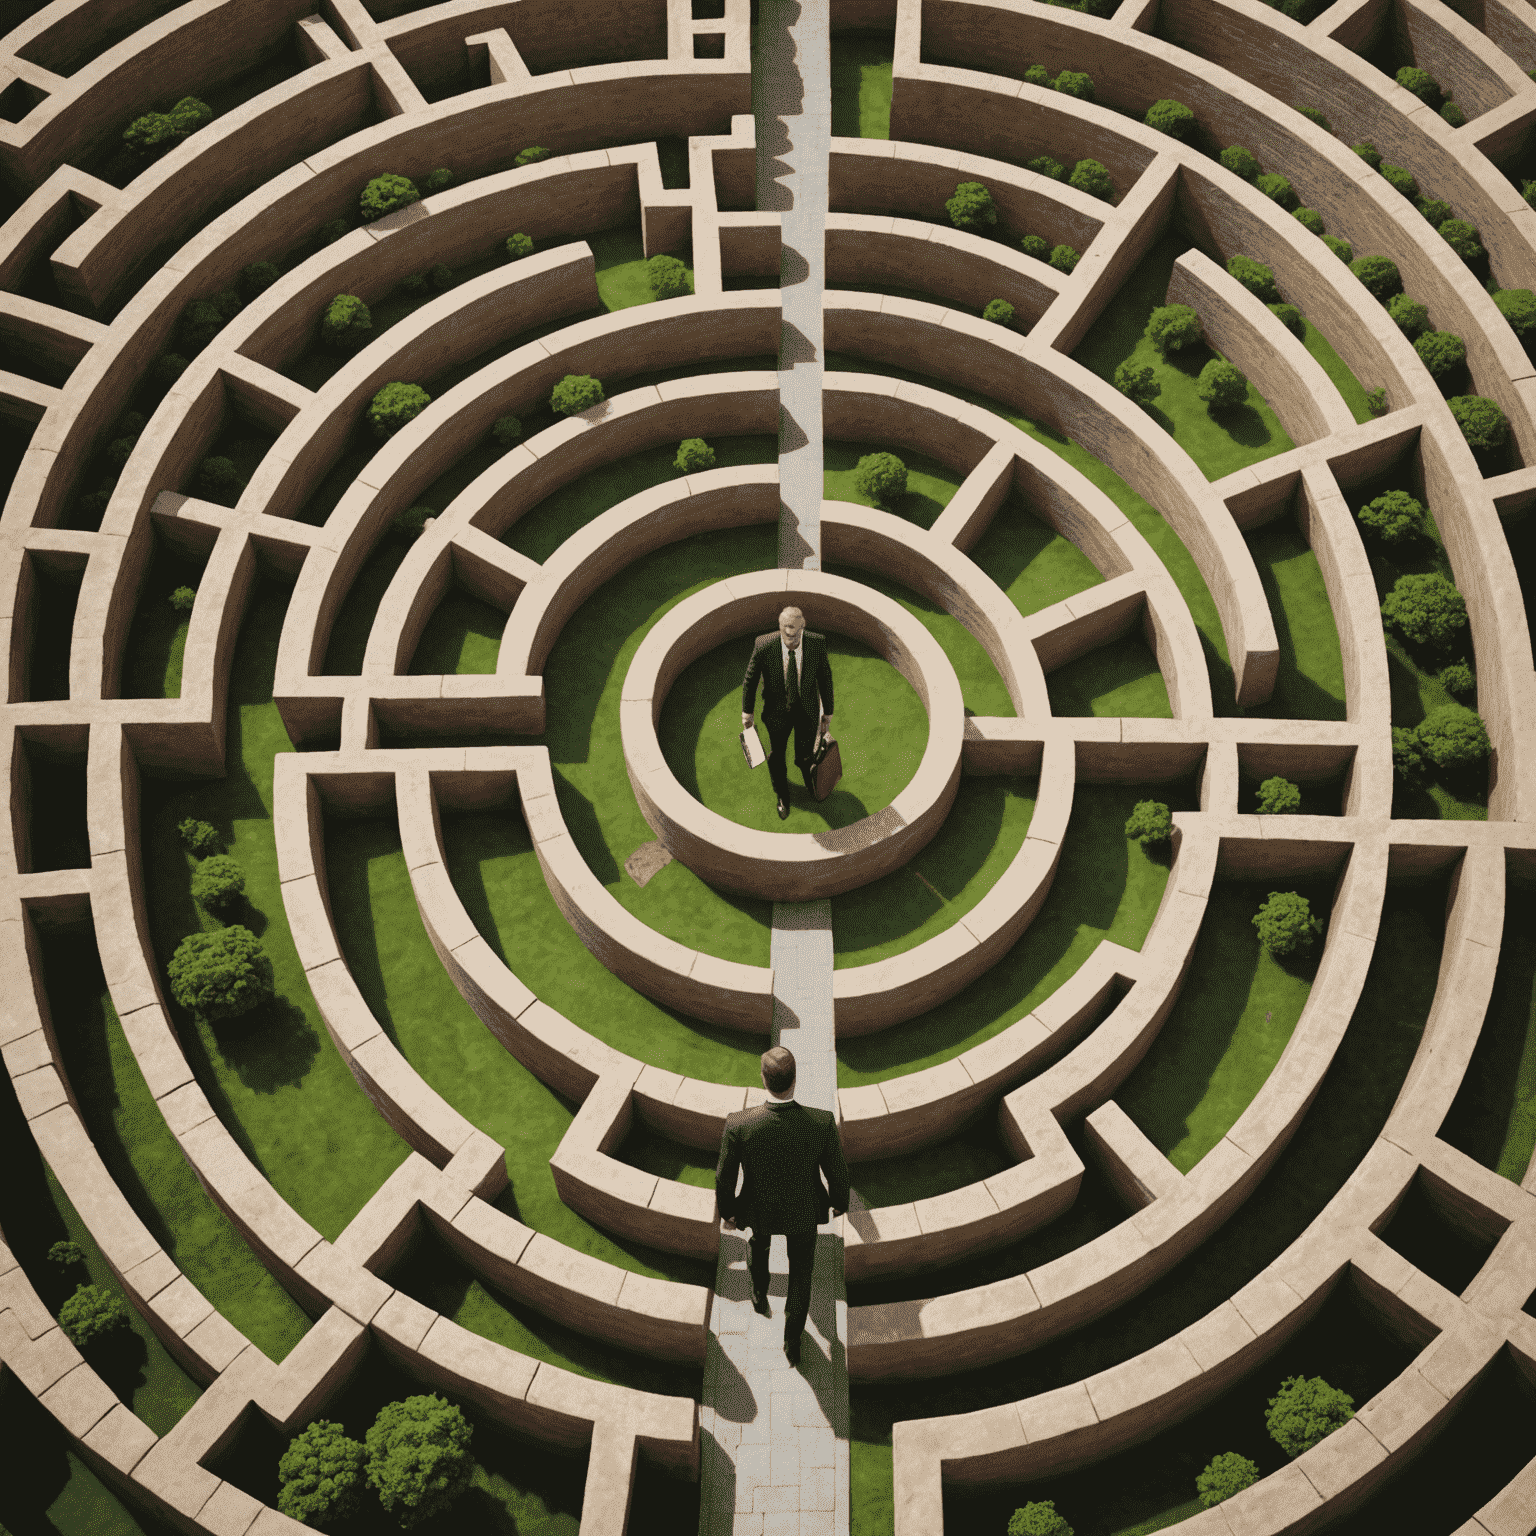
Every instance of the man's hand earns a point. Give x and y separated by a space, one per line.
727 1224
746 721
826 724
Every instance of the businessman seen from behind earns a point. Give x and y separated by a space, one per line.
781 1145
795 671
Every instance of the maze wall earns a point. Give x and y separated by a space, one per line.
1117 1172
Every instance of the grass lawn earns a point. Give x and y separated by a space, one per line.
145 1161
1225 1034
1494 1116
861 84
1120 678
463 635
880 726
412 996
930 484
274 1077
158 634
1337 369
1032 563
976 1153
1106 887
494 869
1310 682
1344 1120
1220 442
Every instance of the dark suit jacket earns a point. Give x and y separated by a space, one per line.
767 662
781 1144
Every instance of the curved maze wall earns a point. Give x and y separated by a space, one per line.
1116 1173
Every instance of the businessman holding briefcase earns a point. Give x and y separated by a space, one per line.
795 670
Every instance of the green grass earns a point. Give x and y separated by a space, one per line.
158 634
348 645
463 635
620 257
1120 678
1232 1020
1310 682
930 484
977 1153
667 1159
861 85
1105 887
1032 563
274 1077
1220 442
398 971
1494 1116
145 1160
1337 369
880 726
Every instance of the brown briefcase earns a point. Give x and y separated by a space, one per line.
826 769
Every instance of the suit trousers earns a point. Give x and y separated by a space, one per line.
803 727
802 1262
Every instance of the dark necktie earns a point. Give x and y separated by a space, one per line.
792 680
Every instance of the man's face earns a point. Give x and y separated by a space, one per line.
791 627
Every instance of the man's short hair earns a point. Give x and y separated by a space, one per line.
778 1069
790 608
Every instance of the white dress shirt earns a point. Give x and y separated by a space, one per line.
799 654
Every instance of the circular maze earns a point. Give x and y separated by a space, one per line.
1200 328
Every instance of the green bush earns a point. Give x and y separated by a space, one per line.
1369 153
1376 401
347 322
1400 180
1436 210
410 522
222 974
1172 118
119 449
330 233
1408 315
436 181
1340 248
1286 924
1528 191
419 1459
155 132
1221 385
1454 736
1420 82
1393 516
1091 177
1290 317
394 406
1463 238
203 319
92 1313
1071 82
258 277
320 1475
1442 352
66 1253
1241 162
1037 246
575 393
1038 1518
1457 678
1151 822
1481 421
219 480
413 283
518 246
882 477
1064 258
182 600
1453 115
1518 306
1278 797
666 277
1138 384
1408 759
1425 608
1258 279
1277 189
218 883
693 455
1380 276
999 311
1172 327
507 430
1310 220
441 277
1225 1475
1314 115
1043 165
1037 74
197 837
532 155
386 194
971 207
1305 1412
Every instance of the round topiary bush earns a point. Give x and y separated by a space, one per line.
1453 115
1376 401
441 277
1453 736
394 406
1442 352
1290 317
1222 385
218 883
1091 177
1425 608
386 194
1518 306
1149 823
1278 797
320 1475
532 155
1435 210
881 477
506 431
92 1313
1410 317
1043 165
575 393
258 277
1225 1475
197 837
1258 279
518 246
1138 384
999 312
1457 678
1305 1412
1420 82
1400 180
220 975
1172 118
414 282
331 231
1277 189
150 136
1038 74
410 522
66 1253
203 319
436 181
971 207
1314 115
1408 759
1038 1518
1369 153
1310 220
1340 248
1481 421
419 1459
1072 82
1037 246
1241 162
666 277
1393 516
693 455
1463 238
219 480
1172 327
1380 276
1286 925
1064 258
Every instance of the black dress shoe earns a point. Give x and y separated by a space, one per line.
792 1351
760 1305
783 810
